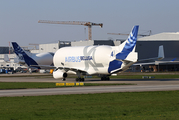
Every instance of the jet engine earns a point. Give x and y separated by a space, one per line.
58 74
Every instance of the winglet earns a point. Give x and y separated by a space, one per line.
173 60
160 53
6 58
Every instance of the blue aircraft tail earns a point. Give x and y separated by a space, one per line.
131 41
18 50
22 55
129 45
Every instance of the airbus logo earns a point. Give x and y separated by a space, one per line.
78 58
20 56
19 50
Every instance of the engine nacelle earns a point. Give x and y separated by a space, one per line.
59 74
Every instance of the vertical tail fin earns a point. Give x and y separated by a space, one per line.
130 43
19 51
22 55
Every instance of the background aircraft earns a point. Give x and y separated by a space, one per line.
33 60
96 60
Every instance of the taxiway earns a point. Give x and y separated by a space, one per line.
141 85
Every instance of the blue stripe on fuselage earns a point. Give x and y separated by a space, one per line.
122 55
113 65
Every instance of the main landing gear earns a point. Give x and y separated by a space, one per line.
80 79
105 78
77 79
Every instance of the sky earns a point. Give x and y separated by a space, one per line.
19 19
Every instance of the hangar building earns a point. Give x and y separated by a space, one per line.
147 47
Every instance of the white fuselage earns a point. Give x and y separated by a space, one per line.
43 58
92 59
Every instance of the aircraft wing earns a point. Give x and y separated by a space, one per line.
64 68
72 69
44 66
148 61
160 56
160 62
157 62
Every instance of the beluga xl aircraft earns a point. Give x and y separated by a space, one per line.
32 60
102 60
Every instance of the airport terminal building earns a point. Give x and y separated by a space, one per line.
147 47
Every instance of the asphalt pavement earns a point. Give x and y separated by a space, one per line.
140 85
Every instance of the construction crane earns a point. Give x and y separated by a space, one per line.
128 34
89 24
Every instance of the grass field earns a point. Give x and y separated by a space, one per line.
106 106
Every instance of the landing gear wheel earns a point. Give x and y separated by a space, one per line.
105 78
80 79
77 79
